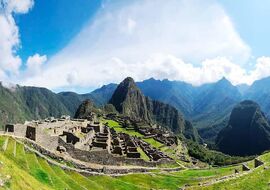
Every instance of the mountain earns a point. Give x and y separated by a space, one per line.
129 100
259 92
99 97
71 100
214 102
84 110
176 93
102 95
207 106
242 88
20 103
247 132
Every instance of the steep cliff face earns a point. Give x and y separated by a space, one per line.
129 100
165 114
247 132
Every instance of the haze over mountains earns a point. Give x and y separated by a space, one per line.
207 106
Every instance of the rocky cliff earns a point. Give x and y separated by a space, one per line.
130 101
247 132
84 109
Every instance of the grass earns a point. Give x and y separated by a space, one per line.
28 171
153 143
258 179
168 150
118 128
143 155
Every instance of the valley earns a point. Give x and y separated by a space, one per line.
133 142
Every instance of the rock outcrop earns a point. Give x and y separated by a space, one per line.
84 109
247 132
130 101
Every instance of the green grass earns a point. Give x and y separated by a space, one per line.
28 171
36 170
84 181
258 179
118 128
154 143
67 179
143 155
57 183
112 183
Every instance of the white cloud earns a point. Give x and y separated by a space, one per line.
34 64
9 37
9 41
18 6
150 39
141 39
261 69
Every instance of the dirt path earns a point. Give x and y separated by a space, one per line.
222 179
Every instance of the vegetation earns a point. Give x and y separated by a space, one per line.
213 157
143 155
118 128
249 124
28 171
22 169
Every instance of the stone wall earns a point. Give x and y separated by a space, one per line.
105 158
20 130
46 140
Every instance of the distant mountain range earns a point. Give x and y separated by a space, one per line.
207 106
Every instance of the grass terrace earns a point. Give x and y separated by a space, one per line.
118 128
22 169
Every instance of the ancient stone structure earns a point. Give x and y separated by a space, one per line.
31 132
245 167
257 162
91 141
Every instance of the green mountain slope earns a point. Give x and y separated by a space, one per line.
247 132
129 100
22 169
26 103
259 92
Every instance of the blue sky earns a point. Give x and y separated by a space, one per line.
51 24
83 44
251 20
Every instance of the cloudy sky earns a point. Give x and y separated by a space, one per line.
82 44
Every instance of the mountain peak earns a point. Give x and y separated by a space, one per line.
247 132
224 80
248 103
128 99
128 80
84 109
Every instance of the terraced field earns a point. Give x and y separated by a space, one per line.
22 169
259 178
170 151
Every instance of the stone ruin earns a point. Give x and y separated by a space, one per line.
153 153
257 162
160 134
245 167
124 144
90 140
